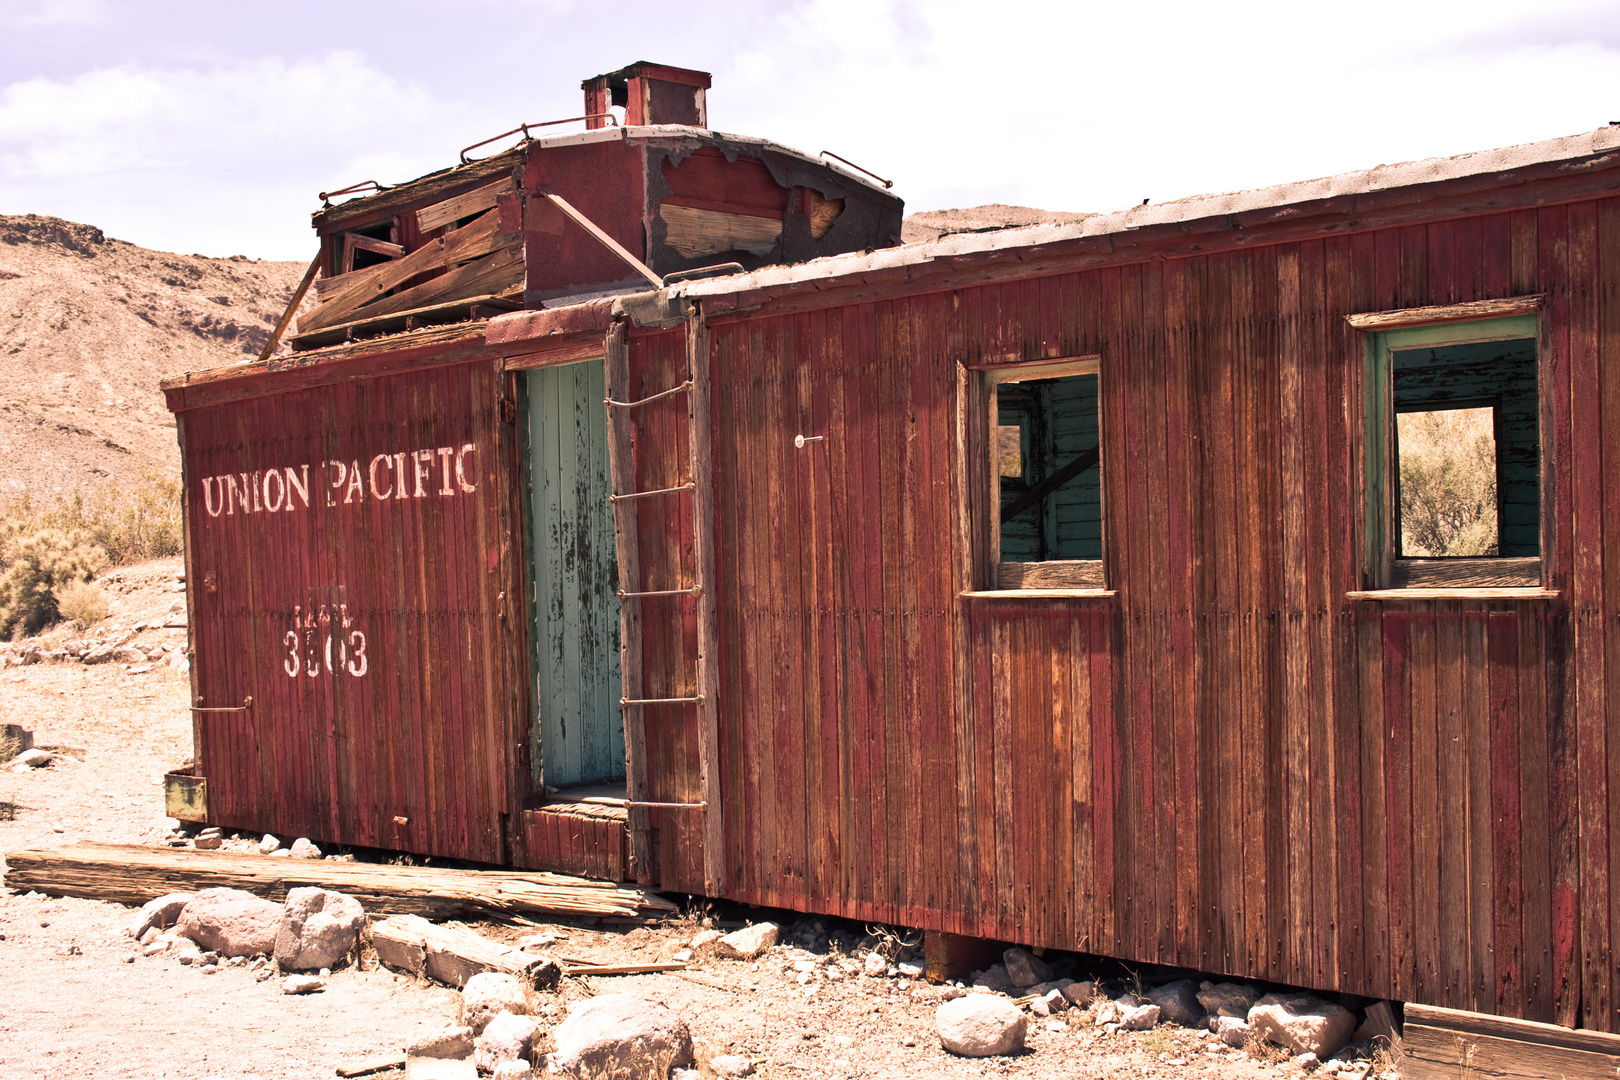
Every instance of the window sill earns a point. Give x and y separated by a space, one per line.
1483 593
1039 594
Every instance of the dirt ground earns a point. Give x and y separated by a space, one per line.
77 1001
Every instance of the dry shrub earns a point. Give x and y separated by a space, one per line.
1448 483
130 524
35 565
82 602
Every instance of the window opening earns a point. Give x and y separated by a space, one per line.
1045 475
1454 455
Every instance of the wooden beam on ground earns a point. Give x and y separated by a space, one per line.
129 874
452 955
372 1065
1461 1045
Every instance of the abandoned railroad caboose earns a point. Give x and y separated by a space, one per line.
1045 585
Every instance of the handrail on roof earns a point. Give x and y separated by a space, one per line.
609 117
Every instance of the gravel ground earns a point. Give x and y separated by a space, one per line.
77 1001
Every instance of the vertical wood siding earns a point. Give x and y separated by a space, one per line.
1227 765
392 738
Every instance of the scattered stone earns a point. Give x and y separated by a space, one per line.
318 928
1231 1030
231 922
994 979
518 1069
876 964
980 1025
1127 1000
623 1037
100 654
207 843
1228 999
154 948
302 984
702 938
533 941
749 942
1141 1018
909 1040
159 914
1178 1002
507 1037
1107 1013
1054 1001
1302 1023
1307 1062
452 1042
302 848
31 759
127 654
1024 969
732 1065
910 969
1080 994
487 995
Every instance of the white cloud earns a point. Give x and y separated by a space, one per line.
26 13
220 161
1086 107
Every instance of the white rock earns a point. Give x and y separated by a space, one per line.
732 1065
876 964
621 1037
1055 1001
268 844
1232 1030
32 759
302 848
318 928
302 984
507 1037
702 938
1140 1018
207 843
1302 1023
518 1069
749 942
231 922
487 995
980 1025
535 941
161 913
1107 1013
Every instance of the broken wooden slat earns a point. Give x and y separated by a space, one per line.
360 242
348 292
696 233
292 306
129 874
454 311
494 275
623 969
459 206
372 1065
448 954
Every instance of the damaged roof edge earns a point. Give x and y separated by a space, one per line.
407 191
1597 147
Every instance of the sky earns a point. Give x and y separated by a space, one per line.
211 127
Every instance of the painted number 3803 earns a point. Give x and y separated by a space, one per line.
323 641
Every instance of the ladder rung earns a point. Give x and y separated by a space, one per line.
685 387
696 590
688 486
662 701
670 805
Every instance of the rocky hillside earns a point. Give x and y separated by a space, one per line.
88 325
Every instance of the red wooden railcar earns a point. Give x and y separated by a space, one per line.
1229 724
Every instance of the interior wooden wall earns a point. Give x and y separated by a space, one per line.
1228 765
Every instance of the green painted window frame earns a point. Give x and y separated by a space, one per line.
1380 512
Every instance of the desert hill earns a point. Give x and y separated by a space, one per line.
88 325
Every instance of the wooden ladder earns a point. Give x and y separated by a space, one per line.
622 473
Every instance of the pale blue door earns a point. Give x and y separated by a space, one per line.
579 731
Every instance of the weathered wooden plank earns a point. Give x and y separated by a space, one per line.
708 644
440 214
1446 313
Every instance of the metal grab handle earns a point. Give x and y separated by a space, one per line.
247 703
857 168
800 440
609 117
